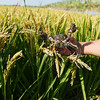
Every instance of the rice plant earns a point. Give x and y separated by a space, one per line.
27 73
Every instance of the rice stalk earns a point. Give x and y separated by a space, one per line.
10 64
79 61
73 72
57 66
34 20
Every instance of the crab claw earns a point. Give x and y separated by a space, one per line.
72 29
43 35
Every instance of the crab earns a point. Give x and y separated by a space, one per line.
62 41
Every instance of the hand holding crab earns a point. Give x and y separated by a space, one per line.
64 45
68 51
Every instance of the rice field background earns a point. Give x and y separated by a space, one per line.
27 73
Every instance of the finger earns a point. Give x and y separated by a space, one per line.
64 52
72 40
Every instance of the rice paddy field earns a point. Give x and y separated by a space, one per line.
26 73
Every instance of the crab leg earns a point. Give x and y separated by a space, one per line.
74 48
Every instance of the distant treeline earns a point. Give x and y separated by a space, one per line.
82 1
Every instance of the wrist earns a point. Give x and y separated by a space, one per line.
86 48
82 47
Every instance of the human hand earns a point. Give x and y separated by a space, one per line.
65 51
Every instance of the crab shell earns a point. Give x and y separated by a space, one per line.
61 41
